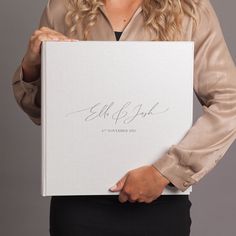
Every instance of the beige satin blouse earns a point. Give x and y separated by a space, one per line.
211 135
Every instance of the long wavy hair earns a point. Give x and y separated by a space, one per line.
164 17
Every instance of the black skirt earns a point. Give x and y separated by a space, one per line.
103 215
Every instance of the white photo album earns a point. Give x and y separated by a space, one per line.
109 107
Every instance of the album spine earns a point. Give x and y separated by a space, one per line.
43 118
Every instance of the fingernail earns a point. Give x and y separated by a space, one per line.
113 187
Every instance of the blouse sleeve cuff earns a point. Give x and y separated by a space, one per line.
179 175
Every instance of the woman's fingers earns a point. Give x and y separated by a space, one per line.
123 197
140 200
119 185
39 35
32 59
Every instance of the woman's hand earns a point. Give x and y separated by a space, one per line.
143 184
32 59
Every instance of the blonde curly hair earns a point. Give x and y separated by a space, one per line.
164 17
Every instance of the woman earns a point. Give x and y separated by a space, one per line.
140 208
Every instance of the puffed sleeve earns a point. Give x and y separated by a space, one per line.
28 94
206 142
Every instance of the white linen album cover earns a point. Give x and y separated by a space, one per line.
109 107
